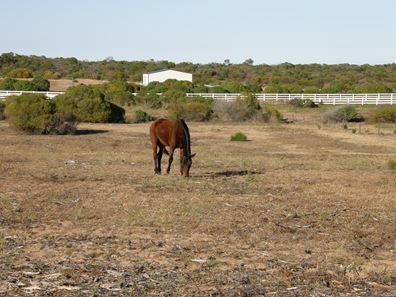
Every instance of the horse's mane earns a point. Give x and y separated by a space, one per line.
187 135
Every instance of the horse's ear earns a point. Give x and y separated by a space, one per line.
193 155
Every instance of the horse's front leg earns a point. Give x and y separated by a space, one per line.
181 161
171 151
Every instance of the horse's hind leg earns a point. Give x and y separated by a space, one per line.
157 166
159 156
170 159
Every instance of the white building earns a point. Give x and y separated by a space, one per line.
164 75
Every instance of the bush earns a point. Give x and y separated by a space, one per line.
150 100
117 114
170 85
342 114
20 73
385 115
271 113
89 105
242 109
64 123
23 85
392 165
2 107
303 103
35 113
37 84
239 136
142 116
191 108
119 92
7 84
40 84
245 109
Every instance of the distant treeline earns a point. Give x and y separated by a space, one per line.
223 77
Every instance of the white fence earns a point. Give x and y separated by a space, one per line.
5 94
333 99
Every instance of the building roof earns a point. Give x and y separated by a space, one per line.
163 70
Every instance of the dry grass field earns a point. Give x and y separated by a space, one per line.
60 85
298 210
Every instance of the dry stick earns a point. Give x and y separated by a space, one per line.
292 230
371 249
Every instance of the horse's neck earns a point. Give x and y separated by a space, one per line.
186 140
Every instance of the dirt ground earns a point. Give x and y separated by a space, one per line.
298 210
60 85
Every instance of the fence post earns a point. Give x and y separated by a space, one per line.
276 98
376 100
334 100
264 97
391 98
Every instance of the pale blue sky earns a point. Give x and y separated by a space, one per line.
271 32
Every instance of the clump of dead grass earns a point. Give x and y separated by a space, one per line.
392 165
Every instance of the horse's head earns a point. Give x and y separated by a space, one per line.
185 165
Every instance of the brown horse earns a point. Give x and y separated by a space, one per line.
173 134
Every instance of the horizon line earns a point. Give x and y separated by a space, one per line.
111 58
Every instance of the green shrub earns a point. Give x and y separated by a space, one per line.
20 73
342 114
119 92
191 108
394 131
36 84
35 113
239 136
40 84
147 99
30 112
89 105
354 131
142 116
7 84
392 165
24 85
170 85
303 103
385 115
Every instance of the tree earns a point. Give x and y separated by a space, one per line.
248 62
